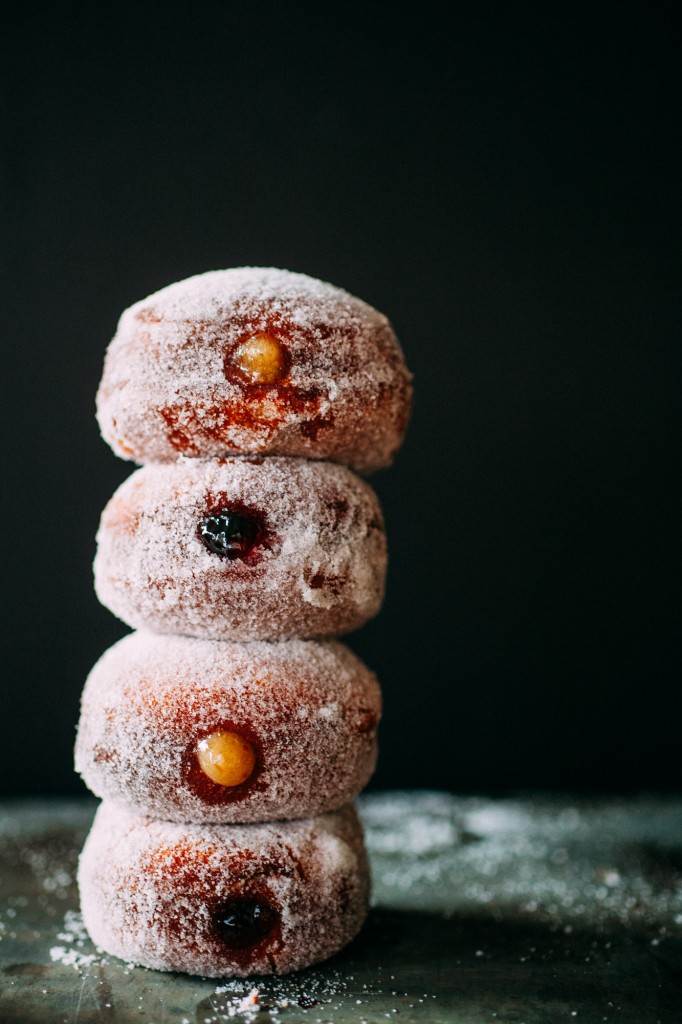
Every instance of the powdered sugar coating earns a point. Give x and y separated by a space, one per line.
319 572
149 889
169 388
310 708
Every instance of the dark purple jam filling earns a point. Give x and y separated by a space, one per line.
244 921
230 534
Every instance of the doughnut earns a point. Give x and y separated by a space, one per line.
242 549
223 900
254 360
213 731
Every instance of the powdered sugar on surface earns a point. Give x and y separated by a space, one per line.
74 938
320 572
311 709
537 861
166 393
478 903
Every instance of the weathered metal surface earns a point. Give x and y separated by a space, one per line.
530 911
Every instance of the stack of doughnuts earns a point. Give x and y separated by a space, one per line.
229 734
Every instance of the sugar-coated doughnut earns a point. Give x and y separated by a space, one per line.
223 900
211 731
243 549
254 360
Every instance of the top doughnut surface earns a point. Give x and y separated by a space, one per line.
254 360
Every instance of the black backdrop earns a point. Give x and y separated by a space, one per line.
502 186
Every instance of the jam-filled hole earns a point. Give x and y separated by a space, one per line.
231 533
261 359
244 921
226 758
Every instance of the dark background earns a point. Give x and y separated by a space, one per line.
503 186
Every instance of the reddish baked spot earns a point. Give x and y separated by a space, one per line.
366 720
340 508
312 428
121 515
194 429
147 316
102 755
185 429
330 582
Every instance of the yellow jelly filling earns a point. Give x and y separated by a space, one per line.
226 758
261 358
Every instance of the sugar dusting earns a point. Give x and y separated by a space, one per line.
74 939
165 390
524 860
150 697
311 994
320 572
150 889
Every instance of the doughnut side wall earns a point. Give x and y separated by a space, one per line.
171 389
154 892
320 570
309 708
